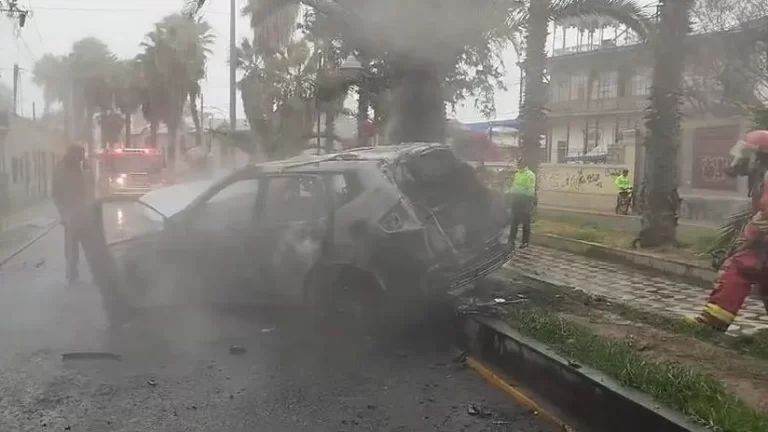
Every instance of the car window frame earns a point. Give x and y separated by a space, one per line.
193 211
261 207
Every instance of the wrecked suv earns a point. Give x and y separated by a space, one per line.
359 230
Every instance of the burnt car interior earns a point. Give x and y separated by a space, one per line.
447 193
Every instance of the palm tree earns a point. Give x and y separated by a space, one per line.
129 91
90 66
47 73
662 141
426 42
278 93
174 59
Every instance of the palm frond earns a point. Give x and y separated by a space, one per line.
732 229
625 12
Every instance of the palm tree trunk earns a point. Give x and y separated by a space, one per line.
662 141
363 105
154 125
330 127
196 119
128 126
418 105
103 125
535 92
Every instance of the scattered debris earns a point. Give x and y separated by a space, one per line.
237 349
268 330
476 410
91 356
461 357
40 263
152 383
573 364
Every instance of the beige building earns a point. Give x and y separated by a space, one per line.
28 153
598 92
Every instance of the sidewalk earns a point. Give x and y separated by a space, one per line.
622 284
25 225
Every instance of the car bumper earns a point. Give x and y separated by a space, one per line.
490 259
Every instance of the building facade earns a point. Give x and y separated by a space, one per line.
28 153
596 94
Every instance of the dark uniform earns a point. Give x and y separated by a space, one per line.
70 194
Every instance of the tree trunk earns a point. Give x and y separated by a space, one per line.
88 128
196 119
662 141
363 105
330 128
103 126
127 125
171 145
535 92
153 126
418 105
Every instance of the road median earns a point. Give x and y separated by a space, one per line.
586 355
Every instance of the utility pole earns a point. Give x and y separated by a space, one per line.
15 87
232 73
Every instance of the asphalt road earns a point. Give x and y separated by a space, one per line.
177 373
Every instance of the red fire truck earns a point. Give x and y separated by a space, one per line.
129 171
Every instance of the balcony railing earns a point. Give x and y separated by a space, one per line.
627 103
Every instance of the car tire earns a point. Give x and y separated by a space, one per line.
349 299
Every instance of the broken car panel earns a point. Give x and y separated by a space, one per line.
380 217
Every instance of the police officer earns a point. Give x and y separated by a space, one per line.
522 189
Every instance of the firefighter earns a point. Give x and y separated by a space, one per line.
522 189
747 263
70 194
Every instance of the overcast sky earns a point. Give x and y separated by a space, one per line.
56 24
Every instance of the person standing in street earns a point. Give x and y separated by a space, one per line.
70 194
522 189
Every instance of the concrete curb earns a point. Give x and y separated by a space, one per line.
583 397
695 273
42 233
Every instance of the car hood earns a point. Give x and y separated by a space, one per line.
172 199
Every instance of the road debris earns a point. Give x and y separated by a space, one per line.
91 356
237 349
152 383
476 410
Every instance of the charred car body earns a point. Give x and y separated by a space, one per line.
359 228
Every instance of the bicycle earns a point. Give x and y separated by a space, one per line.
624 202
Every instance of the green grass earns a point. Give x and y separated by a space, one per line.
557 298
697 395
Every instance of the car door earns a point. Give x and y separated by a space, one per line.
118 227
296 219
217 234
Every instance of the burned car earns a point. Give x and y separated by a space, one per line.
362 230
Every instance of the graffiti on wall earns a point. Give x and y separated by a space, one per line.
596 180
710 157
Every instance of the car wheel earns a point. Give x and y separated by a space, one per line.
351 301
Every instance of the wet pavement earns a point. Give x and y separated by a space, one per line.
640 289
178 371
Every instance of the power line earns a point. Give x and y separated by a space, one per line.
77 9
